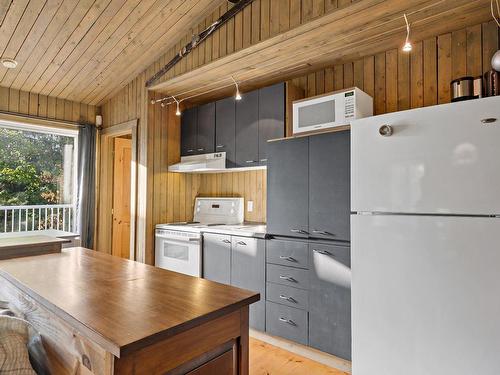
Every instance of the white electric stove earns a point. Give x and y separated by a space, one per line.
178 246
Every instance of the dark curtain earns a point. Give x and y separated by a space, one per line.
86 184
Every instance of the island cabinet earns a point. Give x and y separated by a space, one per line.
240 262
316 173
99 314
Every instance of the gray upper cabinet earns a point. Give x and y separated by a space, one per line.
189 129
247 130
217 258
288 187
329 186
225 129
205 142
271 117
248 271
330 299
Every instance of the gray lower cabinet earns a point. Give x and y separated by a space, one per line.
288 253
330 299
287 322
217 258
288 187
248 271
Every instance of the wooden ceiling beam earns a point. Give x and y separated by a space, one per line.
362 29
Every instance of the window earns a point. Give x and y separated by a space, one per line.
37 177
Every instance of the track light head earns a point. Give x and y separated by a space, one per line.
407 46
153 101
178 111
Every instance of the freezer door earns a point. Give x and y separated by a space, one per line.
441 159
425 295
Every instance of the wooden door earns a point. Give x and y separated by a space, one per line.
121 197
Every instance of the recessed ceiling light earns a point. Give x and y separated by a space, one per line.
9 63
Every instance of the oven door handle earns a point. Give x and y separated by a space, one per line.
184 240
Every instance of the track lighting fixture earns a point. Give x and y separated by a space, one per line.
238 94
407 46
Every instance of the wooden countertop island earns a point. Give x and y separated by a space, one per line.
105 315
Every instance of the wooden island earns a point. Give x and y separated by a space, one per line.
100 314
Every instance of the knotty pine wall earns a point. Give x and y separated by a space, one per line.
46 107
397 81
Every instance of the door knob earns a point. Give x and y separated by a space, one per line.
385 130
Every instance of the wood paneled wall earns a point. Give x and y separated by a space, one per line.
46 107
396 80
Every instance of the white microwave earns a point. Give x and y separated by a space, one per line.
331 110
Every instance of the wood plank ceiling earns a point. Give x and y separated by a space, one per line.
64 46
360 29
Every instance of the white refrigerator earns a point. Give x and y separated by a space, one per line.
425 201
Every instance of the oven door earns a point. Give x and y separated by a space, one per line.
179 255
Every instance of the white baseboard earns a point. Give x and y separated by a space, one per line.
304 351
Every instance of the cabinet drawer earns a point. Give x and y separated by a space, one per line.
287 295
289 276
286 322
287 253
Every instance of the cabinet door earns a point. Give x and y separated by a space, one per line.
247 130
288 187
330 299
189 126
217 258
271 117
205 142
329 186
225 129
248 271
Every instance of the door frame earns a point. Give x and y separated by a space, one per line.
104 222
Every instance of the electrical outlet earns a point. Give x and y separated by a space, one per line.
249 206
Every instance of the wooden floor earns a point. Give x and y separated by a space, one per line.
266 359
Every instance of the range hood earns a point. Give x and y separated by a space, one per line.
200 163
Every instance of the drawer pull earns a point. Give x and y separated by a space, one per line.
288 278
226 241
385 130
220 146
322 232
300 231
288 321
323 252
241 243
263 160
191 150
250 161
287 298
200 149
290 259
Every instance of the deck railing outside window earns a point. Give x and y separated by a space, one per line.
37 217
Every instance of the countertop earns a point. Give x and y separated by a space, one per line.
121 304
246 229
46 232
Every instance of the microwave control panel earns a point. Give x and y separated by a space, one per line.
349 105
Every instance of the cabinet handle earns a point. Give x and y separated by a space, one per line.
241 243
288 278
489 120
290 259
288 321
226 241
385 130
263 160
220 146
250 161
299 231
323 252
200 149
190 150
287 298
322 232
